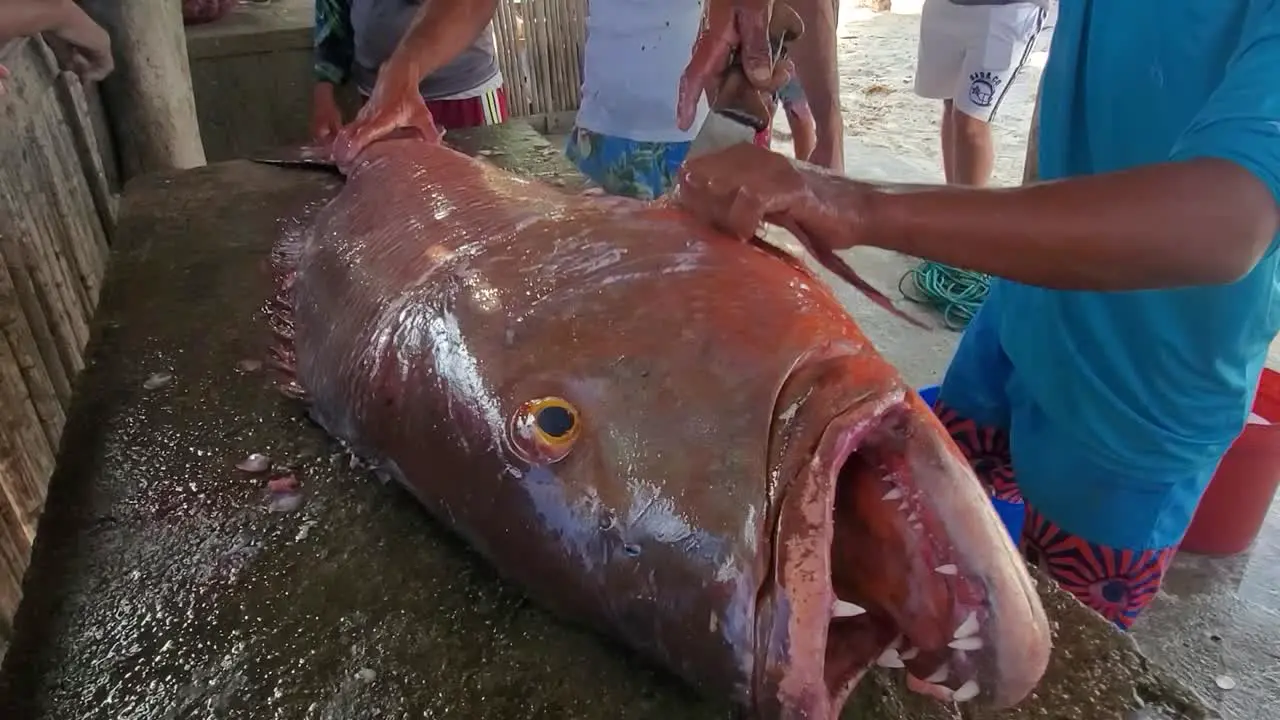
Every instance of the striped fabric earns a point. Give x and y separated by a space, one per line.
487 109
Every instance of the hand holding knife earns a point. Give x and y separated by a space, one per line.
741 107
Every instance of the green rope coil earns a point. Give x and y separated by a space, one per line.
957 294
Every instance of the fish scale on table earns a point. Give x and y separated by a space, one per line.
676 438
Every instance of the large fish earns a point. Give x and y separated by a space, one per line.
675 437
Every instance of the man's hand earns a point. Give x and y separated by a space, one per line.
4 73
81 45
395 105
326 116
741 25
742 187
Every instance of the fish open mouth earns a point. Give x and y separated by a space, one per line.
888 553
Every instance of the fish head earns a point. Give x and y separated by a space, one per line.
738 485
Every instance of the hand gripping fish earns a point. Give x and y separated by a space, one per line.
679 439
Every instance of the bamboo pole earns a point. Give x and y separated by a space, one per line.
150 103
15 549
29 456
535 19
507 38
558 32
60 369
36 376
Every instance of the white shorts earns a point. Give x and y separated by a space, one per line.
970 54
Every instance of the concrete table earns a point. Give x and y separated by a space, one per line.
163 587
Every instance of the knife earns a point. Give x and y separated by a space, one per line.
739 111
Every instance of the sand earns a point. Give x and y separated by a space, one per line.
877 54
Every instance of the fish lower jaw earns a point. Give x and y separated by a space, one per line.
897 597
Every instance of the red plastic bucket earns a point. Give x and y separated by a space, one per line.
1235 503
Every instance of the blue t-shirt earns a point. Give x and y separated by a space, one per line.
1148 389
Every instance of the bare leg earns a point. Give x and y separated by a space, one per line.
948 148
973 152
804 132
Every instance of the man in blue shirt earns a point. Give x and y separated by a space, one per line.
1117 359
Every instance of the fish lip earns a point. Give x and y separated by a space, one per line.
792 675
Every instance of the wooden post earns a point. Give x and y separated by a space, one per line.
149 100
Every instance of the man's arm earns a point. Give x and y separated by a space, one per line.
334 41
814 56
440 30
1196 222
19 18
1205 217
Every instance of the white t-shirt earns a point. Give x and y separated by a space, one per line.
635 52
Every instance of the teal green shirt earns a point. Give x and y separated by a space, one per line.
1140 393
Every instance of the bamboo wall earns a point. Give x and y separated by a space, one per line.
55 205
540 51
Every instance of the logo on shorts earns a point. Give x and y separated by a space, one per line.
982 88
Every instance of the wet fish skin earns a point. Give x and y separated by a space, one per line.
439 310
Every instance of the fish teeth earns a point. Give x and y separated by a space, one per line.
909 653
843 608
893 494
968 643
969 627
948 569
890 659
967 691
939 675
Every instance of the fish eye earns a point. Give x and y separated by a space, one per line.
544 430
555 422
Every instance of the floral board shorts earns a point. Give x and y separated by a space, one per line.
630 168
1117 583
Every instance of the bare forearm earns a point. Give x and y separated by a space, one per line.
816 66
29 17
1199 222
441 30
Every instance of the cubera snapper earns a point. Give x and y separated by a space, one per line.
677 438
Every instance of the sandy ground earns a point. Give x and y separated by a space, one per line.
877 53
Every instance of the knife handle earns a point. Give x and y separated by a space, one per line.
737 98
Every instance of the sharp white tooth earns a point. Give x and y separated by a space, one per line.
842 609
947 569
893 494
967 691
969 643
969 627
890 659
913 517
909 653
939 675
903 506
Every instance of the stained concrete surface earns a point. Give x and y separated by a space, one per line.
164 587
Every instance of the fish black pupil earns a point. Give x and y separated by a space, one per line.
555 421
